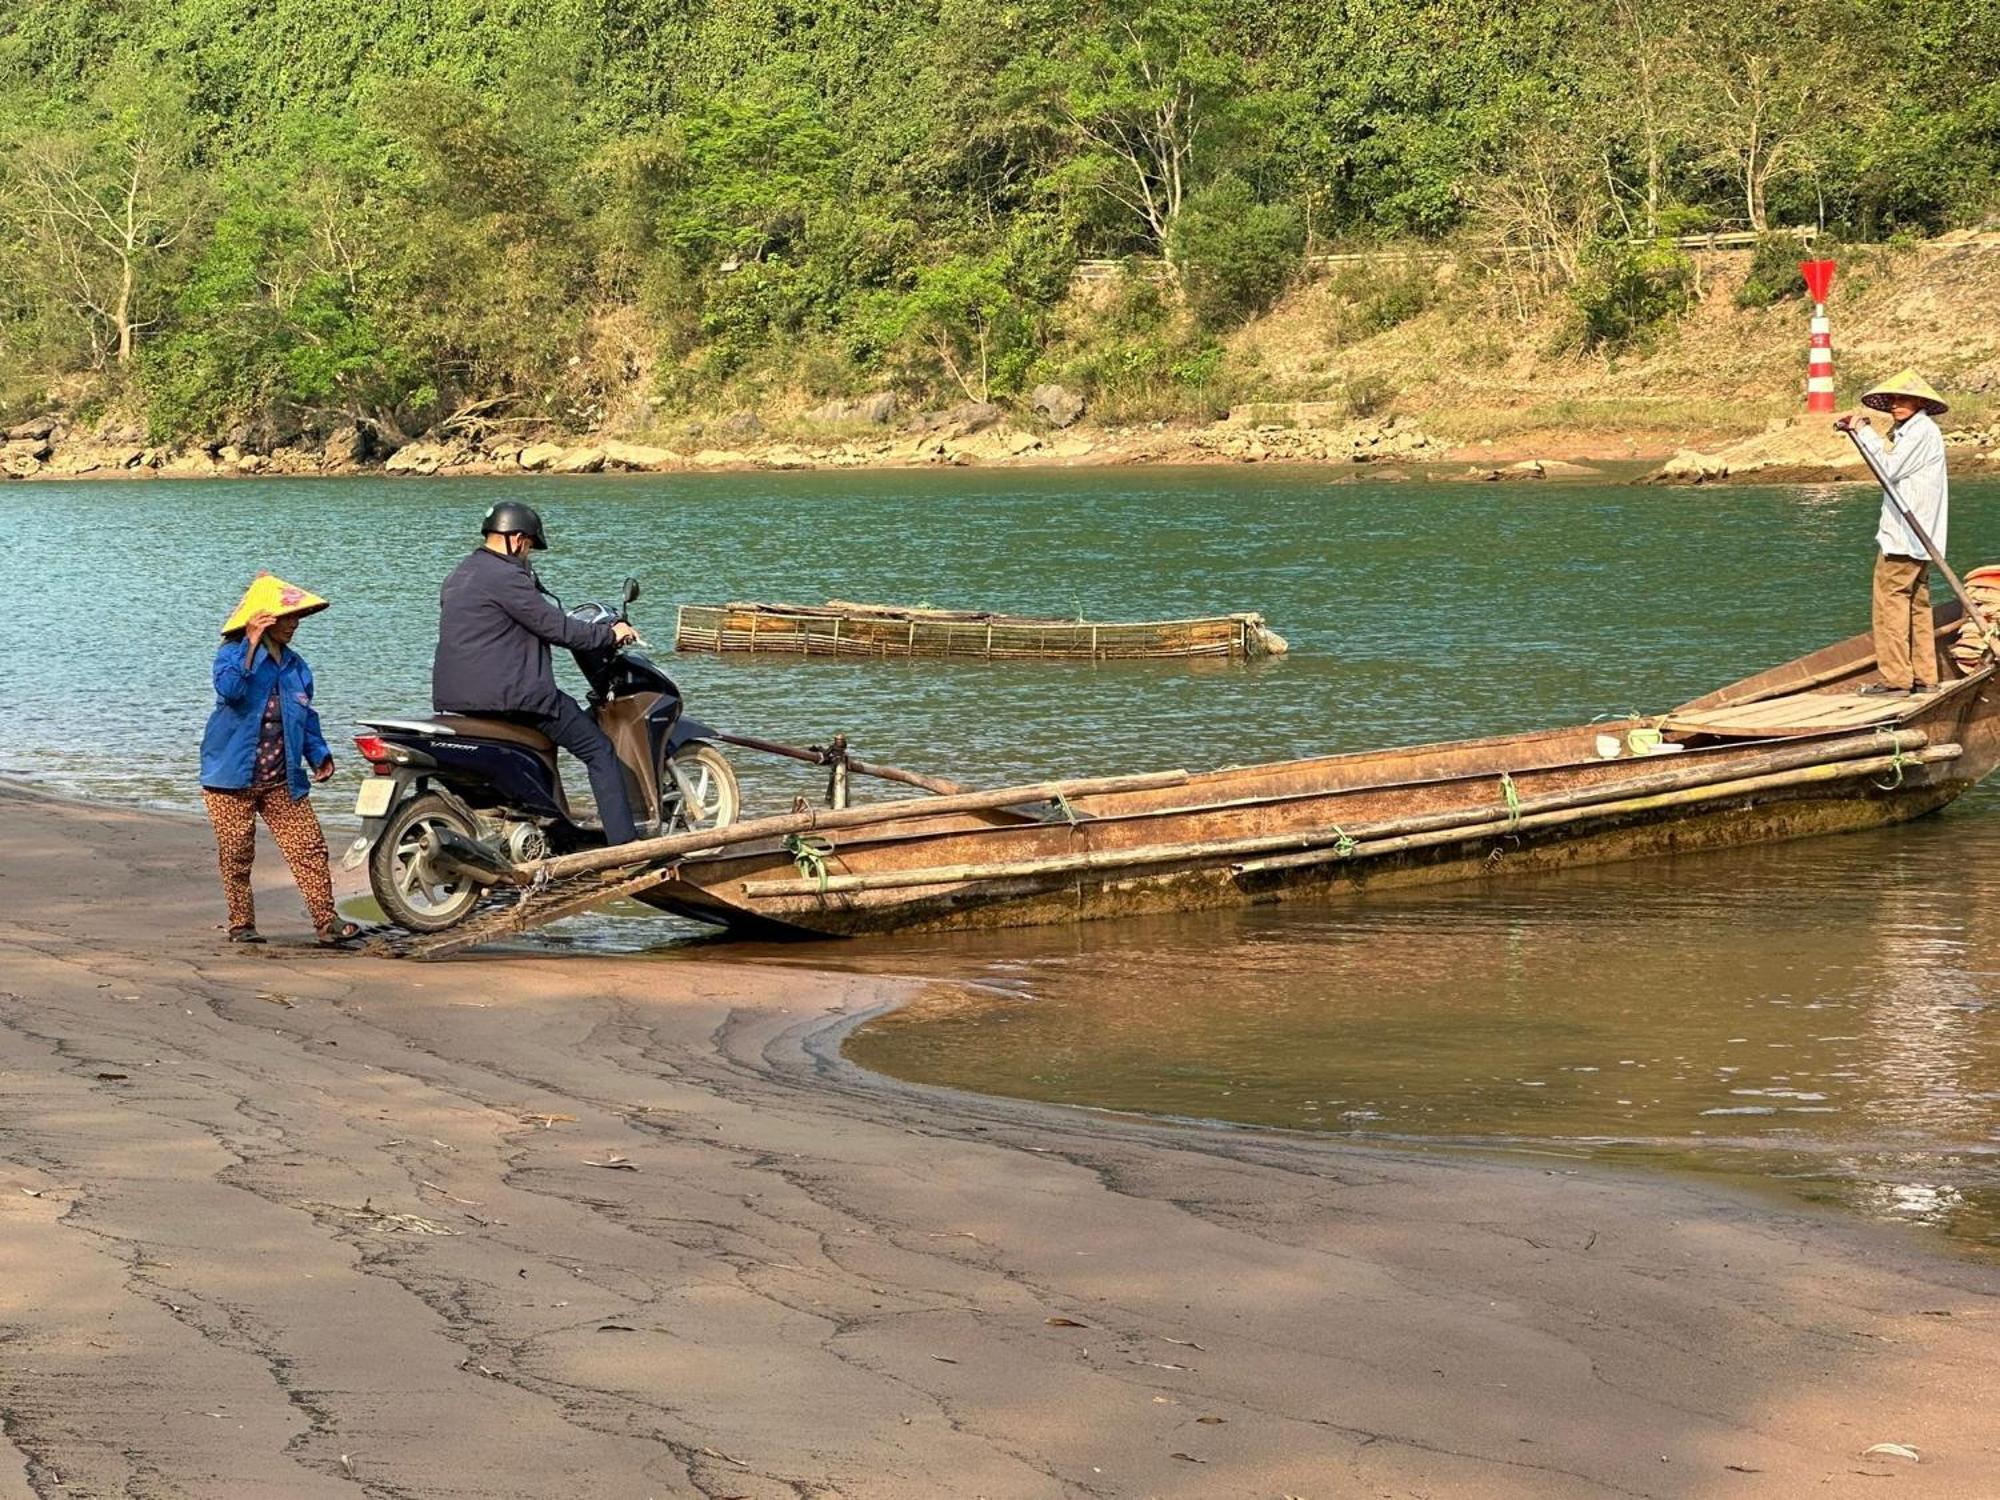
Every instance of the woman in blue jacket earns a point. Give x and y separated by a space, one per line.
261 739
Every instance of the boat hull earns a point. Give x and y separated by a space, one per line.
867 882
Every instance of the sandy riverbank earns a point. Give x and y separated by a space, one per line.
216 1167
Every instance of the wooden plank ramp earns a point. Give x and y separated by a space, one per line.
513 912
1798 713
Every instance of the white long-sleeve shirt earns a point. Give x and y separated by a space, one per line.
1915 465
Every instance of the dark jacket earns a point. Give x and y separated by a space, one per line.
495 627
229 744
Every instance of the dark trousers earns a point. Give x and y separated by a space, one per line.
573 729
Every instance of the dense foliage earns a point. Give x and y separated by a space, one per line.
383 210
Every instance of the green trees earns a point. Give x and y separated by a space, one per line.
311 213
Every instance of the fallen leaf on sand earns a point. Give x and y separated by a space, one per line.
1066 1323
275 998
545 1121
726 1458
612 1164
1187 1458
1741 1469
1211 1421
32 1192
1186 1343
944 1359
114 1077
347 1463
1159 1364
1892 1450
616 1328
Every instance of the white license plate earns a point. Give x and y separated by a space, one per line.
377 792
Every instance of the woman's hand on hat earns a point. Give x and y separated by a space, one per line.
254 631
325 771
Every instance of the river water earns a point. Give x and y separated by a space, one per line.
1821 1015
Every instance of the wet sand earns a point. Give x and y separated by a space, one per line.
279 1222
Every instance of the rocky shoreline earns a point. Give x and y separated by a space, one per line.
873 434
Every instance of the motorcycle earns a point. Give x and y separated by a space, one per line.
455 800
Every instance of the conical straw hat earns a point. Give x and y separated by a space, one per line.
1906 382
271 595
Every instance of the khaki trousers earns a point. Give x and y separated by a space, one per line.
1905 639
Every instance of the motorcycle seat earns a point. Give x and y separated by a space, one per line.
479 726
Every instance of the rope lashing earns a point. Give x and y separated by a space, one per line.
1513 799
810 852
1897 760
1061 804
1343 845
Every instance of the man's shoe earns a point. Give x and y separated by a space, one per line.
1883 690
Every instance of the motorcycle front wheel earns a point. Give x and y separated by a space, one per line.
702 791
410 890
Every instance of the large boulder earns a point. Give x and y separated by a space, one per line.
539 456
958 421
120 434
877 409
417 458
619 455
345 446
37 448
32 430
742 424
19 463
1057 404
579 461
829 413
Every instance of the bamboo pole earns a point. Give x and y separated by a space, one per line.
813 820
1381 835
1841 770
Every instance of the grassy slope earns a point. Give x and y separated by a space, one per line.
1472 370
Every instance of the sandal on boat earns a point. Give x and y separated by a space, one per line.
339 935
245 935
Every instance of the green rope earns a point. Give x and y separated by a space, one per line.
1061 804
809 853
1343 845
1897 760
1513 801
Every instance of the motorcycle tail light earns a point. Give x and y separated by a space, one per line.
375 750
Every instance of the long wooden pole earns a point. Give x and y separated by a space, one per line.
813 757
1936 555
1844 754
813 820
1721 791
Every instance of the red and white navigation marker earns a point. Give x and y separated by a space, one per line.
1819 363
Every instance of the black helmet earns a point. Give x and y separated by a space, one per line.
511 517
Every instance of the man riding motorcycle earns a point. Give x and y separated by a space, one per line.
495 627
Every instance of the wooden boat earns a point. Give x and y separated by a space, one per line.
840 627
1789 753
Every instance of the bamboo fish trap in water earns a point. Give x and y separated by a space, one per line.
842 628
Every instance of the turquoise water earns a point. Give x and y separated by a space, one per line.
1822 1015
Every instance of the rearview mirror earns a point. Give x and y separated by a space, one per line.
631 590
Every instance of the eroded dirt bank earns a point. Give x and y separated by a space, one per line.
285 1223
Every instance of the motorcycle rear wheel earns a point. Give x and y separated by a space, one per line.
411 893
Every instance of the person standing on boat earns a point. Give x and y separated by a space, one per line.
1913 461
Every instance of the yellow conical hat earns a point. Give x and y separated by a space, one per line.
271 595
1906 382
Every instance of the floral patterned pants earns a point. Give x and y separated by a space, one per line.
295 827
